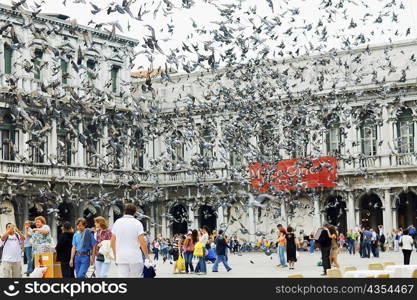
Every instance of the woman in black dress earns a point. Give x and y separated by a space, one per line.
292 243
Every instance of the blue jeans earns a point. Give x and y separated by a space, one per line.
312 247
351 246
201 265
367 249
188 257
28 252
362 249
223 259
81 264
375 250
102 269
281 253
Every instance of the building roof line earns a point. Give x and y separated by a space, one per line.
66 24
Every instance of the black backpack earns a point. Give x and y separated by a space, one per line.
4 243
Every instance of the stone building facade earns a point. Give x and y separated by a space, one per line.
376 166
56 79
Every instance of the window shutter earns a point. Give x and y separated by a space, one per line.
91 65
8 52
37 63
114 73
69 154
64 70
362 138
328 141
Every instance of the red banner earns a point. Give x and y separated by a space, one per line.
290 174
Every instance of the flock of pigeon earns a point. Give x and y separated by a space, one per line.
267 71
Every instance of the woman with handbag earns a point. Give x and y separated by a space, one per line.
406 244
190 241
103 234
176 247
199 251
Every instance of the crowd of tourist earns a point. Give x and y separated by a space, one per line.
128 247
365 241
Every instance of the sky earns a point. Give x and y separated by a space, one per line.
177 27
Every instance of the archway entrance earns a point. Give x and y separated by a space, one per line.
66 214
335 210
371 211
115 212
140 212
407 209
180 215
35 210
207 217
89 213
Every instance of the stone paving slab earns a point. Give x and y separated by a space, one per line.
257 264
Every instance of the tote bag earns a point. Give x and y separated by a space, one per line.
198 250
180 263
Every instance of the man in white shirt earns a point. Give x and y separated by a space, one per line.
127 241
11 260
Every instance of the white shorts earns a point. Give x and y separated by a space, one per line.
130 270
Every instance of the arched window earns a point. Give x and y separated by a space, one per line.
39 142
333 135
66 145
368 135
265 139
236 159
8 54
299 139
207 145
405 132
139 150
178 146
9 138
37 62
93 147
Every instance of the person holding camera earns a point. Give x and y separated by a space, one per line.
11 258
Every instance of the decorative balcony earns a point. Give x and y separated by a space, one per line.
42 172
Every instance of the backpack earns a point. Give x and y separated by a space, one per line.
4 243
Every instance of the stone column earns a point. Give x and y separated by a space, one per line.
80 147
192 225
283 214
351 136
357 217
25 151
386 136
164 226
251 226
54 230
387 216
351 222
53 142
394 218
220 216
152 229
25 209
111 217
316 216
168 228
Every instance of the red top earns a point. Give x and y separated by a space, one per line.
103 235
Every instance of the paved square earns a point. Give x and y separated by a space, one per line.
264 266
